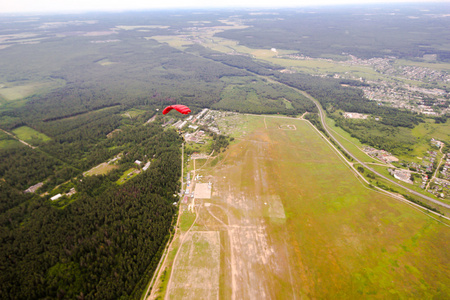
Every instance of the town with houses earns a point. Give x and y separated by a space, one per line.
397 92
432 174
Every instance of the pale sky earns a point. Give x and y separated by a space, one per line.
13 6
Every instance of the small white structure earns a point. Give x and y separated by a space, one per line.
182 125
138 162
56 197
147 165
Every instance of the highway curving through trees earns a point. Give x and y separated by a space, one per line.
324 125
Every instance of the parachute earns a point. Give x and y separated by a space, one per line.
180 108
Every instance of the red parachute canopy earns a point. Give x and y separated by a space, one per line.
181 108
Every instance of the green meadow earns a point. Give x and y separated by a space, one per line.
348 241
7 141
30 135
127 175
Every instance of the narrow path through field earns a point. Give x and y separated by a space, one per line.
16 138
185 234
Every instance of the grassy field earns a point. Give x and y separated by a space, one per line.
20 90
197 270
173 41
350 143
30 135
426 131
133 113
294 220
7 142
101 169
186 220
128 174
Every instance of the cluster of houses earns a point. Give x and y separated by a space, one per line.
437 143
440 188
205 118
196 137
445 173
427 163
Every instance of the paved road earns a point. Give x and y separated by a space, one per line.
322 120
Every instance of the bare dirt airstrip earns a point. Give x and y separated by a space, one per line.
288 220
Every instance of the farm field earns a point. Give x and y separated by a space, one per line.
294 222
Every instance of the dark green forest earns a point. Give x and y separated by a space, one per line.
100 246
405 31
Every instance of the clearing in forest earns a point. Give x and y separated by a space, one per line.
101 169
293 221
30 135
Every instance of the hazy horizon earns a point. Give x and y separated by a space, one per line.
72 6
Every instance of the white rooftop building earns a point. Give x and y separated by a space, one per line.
56 197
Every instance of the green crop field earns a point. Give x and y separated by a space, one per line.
30 135
296 219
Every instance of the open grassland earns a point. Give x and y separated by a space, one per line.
30 135
186 220
295 222
197 270
133 113
101 169
7 142
127 175
15 91
426 131
174 41
350 143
